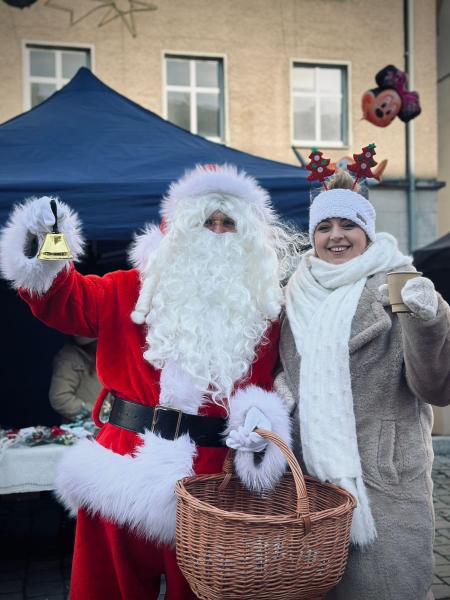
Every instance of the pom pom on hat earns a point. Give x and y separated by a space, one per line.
219 179
344 204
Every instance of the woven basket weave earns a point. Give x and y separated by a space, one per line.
288 544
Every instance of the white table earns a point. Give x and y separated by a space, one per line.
30 468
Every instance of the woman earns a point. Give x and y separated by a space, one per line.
362 379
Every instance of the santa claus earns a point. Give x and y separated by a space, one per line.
187 346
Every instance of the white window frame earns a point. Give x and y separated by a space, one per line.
59 80
346 142
192 90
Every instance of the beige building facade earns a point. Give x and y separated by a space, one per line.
443 87
258 43
292 73
442 415
259 75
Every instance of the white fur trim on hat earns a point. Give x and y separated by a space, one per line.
344 204
262 475
221 179
134 491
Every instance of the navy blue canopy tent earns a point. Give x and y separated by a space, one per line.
434 261
113 160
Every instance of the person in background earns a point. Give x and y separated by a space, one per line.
362 380
75 386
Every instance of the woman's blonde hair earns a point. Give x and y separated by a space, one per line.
341 179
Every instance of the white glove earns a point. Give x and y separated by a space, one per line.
384 294
420 297
40 218
244 438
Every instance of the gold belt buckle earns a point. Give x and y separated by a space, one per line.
167 409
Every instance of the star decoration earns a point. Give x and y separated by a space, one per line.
114 9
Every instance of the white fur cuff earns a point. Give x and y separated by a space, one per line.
262 475
138 492
33 274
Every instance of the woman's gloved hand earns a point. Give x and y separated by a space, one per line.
40 218
383 291
244 438
420 297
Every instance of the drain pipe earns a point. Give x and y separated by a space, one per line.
408 9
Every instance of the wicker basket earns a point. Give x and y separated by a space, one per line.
288 544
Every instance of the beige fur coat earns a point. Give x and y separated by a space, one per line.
399 365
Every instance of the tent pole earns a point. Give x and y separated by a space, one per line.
299 156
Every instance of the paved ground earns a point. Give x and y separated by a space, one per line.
35 552
441 479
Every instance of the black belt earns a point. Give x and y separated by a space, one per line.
167 422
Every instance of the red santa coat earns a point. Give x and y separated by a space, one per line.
100 307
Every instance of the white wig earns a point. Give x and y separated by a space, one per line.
207 299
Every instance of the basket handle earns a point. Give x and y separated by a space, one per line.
302 509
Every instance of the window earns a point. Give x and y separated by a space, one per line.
319 105
194 95
50 68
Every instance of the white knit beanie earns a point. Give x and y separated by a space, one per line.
344 204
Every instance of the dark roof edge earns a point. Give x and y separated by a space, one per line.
402 184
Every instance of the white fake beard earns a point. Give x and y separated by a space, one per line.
213 296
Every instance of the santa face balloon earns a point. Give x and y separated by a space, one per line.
380 107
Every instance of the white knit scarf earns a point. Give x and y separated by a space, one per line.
321 301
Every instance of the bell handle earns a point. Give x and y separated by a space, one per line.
55 213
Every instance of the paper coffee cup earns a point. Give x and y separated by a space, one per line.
396 280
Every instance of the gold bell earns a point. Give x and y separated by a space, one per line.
55 246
